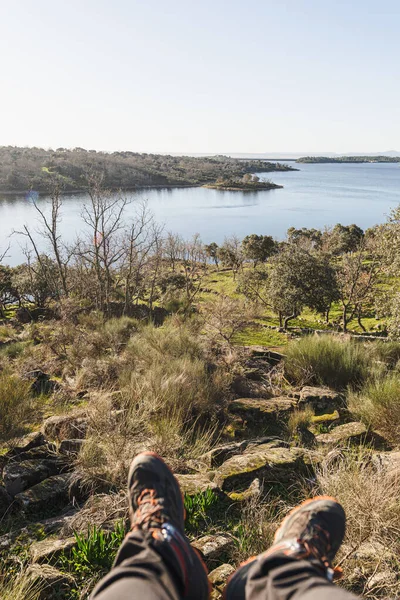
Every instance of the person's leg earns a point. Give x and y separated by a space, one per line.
299 564
156 560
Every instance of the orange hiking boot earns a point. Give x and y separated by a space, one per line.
315 529
312 531
156 508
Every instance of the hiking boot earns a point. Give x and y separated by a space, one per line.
156 508
312 531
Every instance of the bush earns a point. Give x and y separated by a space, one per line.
327 361
15 404
377 404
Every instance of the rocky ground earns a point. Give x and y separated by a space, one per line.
43 503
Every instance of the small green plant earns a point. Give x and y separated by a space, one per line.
199 509
93 554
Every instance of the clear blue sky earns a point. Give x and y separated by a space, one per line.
209 76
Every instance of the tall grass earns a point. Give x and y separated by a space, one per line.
371 499
169 401
22 587
327 361
377 404
15 404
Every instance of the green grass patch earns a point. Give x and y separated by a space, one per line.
260 336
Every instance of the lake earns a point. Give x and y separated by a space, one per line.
317 195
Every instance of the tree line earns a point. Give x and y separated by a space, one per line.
23 169
134 262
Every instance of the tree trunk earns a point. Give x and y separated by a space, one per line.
328 310
359 320
287 319
344 317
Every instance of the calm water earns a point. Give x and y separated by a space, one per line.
315 196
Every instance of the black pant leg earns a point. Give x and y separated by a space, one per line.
283 577
139 573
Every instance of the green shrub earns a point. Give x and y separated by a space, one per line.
377 404
12 350
118 331
327 361
15 404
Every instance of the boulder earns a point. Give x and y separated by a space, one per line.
18 476
51 582
65 427
343 435
322 400
268 415
71 447
49 550
263 462
47 451
213 548
196 484
50 493
218 579
387 461
218 455
32 440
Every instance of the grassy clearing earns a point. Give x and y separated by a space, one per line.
327 361
260 336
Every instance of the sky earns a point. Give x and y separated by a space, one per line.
254 76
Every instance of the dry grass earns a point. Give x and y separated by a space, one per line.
377 404
327 361
22 587
16 404
371 499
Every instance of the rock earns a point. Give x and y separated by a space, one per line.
382 580
321 400
5 501
48 550
219 576
342 435
267 415
253 491
22 475
218 579
69 447
65 427
326 418
196 484
32 440
216 456
386 461
213 547
263 462
264 352
52 583
41 382
49 493
47 451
